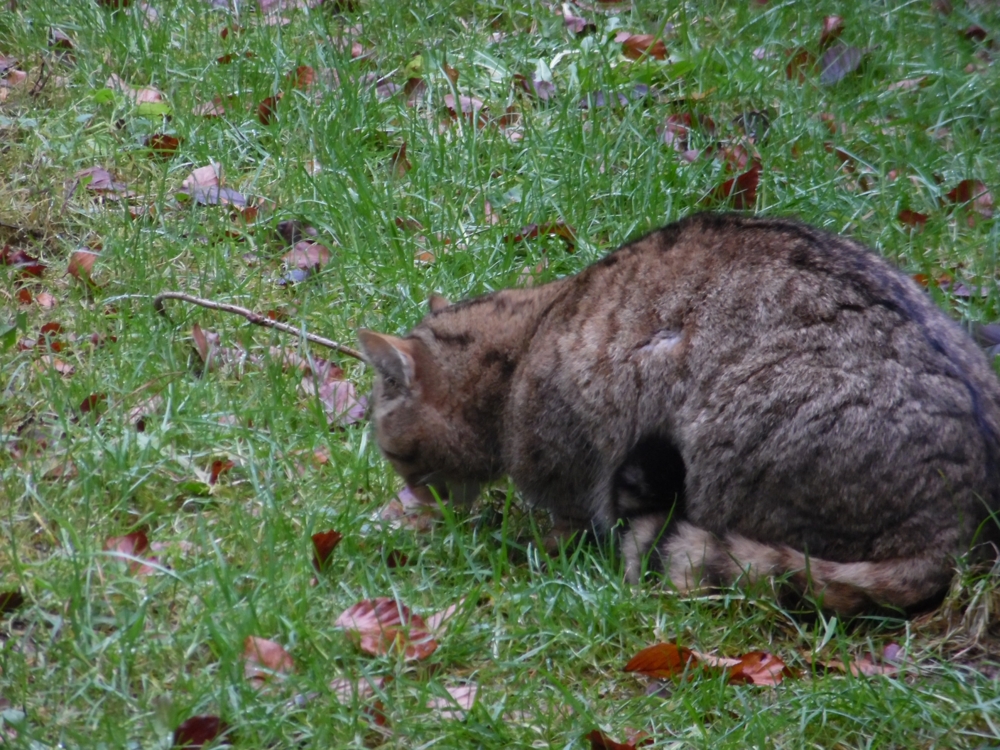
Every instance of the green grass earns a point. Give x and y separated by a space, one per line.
98 657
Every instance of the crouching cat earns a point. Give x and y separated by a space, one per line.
744 397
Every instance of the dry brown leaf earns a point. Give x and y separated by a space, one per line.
132 547
307 255
203 177
145 95
662 661
636 46
413 508
759 668
198 731
381 626
81 264
457 705
324 543
265 660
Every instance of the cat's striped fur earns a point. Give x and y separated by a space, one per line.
743 397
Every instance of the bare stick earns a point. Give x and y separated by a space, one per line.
256 319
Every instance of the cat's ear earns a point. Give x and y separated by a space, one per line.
436 302
388 356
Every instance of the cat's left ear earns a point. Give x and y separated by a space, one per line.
436 302
388 355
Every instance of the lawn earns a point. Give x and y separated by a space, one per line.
162 476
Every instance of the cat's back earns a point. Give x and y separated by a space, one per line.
784 363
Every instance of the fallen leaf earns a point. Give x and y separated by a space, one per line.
601 741
308 256
636 46
145 95
800 64
458 703
203 177
975 33
59 39
662 661
468 106
99 180
198 731
94 404
396 559
341 403
759 668
218 468
132 546
214 108
381 626
162 145
25 263
833 26
676 129
838 62
302 77
577 24
265 660
324 543
741 190
81 264
399 163
267 110
863 666
413 508
542 90
558 228
975 192
909 83
912 218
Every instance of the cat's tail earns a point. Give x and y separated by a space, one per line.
693 558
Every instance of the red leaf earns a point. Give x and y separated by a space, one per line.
396 559
832 28
81 265
557 228
219 467
802 61
28 265
266 111
24 296
93 402
302 77
198 731
162 145
661 661
399 163
759 668
912 218
635 46
380 626
975 33
974 191
741 190
324 542
601 741
133 546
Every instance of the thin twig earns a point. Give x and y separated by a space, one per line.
256 319
43 77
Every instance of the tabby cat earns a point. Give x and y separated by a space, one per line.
741 397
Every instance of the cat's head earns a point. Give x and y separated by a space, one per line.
414 414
